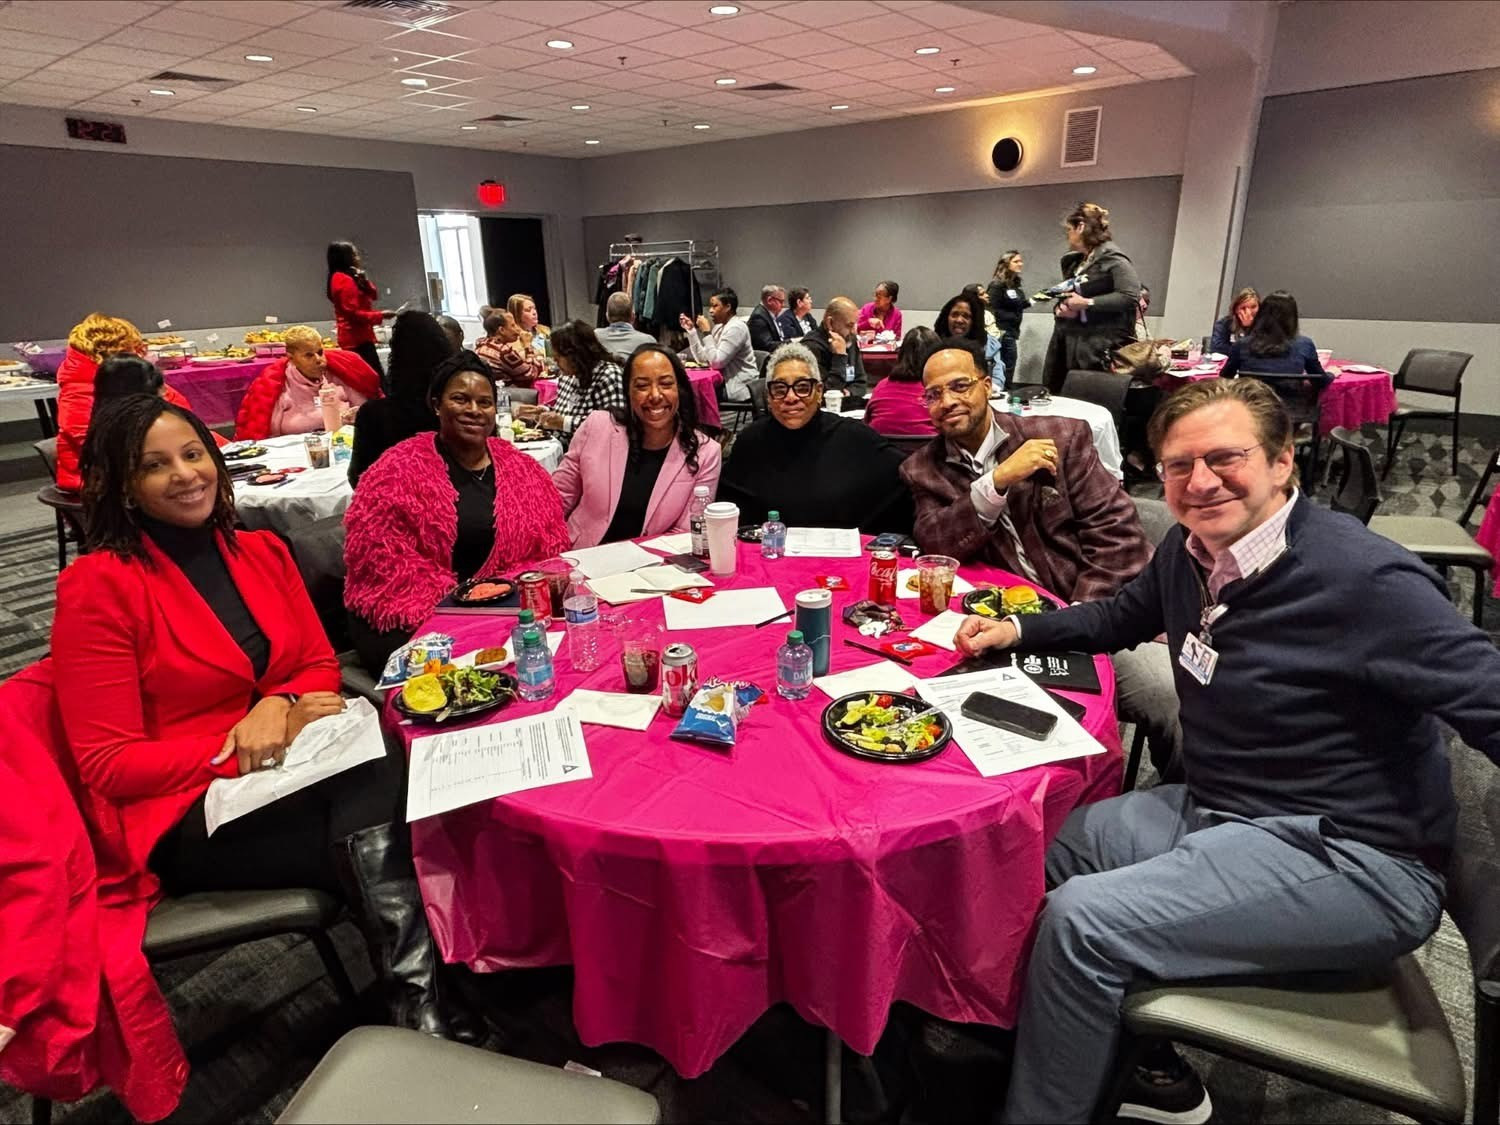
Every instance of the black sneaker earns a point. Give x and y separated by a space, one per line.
1166 1090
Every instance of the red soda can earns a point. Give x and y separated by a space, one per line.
679 678
883 577
536 594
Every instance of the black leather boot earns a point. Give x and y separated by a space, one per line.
377 875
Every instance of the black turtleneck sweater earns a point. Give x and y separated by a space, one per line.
833 472
196 554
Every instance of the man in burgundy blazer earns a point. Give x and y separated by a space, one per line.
1029 495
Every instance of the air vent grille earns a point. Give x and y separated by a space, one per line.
180 76
417 13
1080 146
767 88
500 119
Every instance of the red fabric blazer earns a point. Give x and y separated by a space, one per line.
75 406
354 315
254 419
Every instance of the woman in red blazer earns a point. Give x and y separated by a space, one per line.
353 296
184 651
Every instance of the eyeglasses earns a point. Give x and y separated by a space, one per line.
802 388
958 387
1219 462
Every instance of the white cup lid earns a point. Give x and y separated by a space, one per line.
720 509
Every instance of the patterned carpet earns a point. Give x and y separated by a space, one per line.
257 1018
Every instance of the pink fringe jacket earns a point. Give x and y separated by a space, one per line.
402 524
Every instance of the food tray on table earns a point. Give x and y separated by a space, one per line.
1002 601
859 724
486 591
502 689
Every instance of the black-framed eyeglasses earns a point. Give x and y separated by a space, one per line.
802 388
959 387
1219 462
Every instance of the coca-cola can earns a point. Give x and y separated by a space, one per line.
536 594
883 577
679 678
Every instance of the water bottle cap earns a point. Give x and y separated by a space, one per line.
700 490
531 638
773 514
527 617
794 637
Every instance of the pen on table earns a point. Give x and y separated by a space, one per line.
878 652
773 620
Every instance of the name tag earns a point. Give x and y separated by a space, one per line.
1198 658
1011 293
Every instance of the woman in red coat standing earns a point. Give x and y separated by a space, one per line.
353 296
184 651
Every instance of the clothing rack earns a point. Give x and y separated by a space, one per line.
702 256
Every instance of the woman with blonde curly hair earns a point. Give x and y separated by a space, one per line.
93 339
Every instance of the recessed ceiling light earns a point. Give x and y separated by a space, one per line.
723 10
165 93
413 81
725 81
1085 70
307 109
590 142
942 89
259 58
560 44
839 106
928 50
702 125
580 107
468 128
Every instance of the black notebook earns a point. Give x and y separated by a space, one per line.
1065 671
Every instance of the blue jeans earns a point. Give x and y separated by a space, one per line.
1151 887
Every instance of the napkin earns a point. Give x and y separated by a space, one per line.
611 708
960 587
939 631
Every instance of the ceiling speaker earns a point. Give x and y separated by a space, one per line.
1006 155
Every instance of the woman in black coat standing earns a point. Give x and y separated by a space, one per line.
1098 316
1007 295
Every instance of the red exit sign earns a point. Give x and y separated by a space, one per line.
107 132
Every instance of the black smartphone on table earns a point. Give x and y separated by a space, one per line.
1071 706
1007 715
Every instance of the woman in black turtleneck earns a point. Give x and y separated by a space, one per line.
815 468
184 651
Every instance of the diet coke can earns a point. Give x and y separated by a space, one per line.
536 594
679 678
883 577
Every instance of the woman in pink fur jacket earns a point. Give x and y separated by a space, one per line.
438 509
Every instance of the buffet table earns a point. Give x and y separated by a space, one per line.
692 888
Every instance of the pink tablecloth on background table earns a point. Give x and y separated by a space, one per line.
1352 399
692 888
215 389
704 381
1489 533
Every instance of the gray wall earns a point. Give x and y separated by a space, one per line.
200 242
1379 202
931 244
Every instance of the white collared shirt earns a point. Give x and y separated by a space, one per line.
1248 555
989 501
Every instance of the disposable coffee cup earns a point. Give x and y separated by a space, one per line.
721 520
833 400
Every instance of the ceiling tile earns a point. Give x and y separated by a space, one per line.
45 47
342 27
162 42
690 45
264 13
73 65
879 29
562 70
621 26
678 70
741 58
84 19
822 13
848 58
178 21
431 42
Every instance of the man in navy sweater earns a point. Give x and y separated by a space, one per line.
1312 660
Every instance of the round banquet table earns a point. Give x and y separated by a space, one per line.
316 494
879 361
1489 534
693 887
705 381
1352 399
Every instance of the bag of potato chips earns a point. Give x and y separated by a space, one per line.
716 710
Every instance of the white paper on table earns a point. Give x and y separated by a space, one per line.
882 676
960 587
823 543
992 750
463 767
621 589
671 544
611 708
726 607
325 747
610 558
939 631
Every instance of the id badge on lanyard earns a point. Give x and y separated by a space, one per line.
1198 657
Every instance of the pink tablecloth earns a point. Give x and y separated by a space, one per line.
214 390
1489 533
1352 399
693 888
704 381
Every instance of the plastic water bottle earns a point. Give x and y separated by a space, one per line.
772 536
525 622
502 414
581 610
1015 405
697 522
794 668
534 668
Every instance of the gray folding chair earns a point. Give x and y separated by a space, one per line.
389 1076
1356 492
1430 371
318 550
1380 1038
67 507
1104 388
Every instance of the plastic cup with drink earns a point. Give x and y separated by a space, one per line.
935 582
318 450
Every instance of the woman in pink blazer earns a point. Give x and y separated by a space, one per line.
633 473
